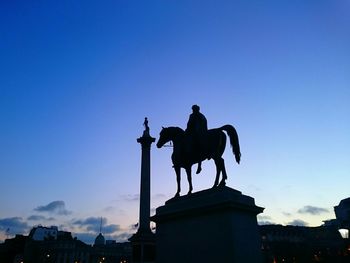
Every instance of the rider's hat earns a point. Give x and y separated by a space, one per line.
195 107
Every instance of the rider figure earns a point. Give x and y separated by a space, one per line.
197 129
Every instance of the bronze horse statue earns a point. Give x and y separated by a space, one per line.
185 155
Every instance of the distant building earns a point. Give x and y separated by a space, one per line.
300 244
112 252
342 212
48 244
12 249
41 233
99 240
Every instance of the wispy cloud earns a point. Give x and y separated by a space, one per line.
264 220
313 210
298 222
88 228
254 188
153 211
159 197
130 197
39 218
55 207
14 225
287 214
122 237
92 224
264 217
90 221
109 209
136 197
114 210
36 218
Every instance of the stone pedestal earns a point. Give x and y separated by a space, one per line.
215 225
143 247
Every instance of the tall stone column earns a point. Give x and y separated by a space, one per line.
145 186
143 242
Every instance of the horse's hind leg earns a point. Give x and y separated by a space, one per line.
189 179
224 174
178 180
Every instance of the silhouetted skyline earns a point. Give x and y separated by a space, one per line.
78 79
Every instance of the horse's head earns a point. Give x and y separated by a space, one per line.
170 134
163 137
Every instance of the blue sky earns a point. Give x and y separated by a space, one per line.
77 79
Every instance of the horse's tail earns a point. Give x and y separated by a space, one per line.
231 131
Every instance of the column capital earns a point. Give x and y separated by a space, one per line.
146 140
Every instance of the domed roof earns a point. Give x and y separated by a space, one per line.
99 240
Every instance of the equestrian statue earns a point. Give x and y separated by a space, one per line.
197 144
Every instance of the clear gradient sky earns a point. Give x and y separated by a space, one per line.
78 77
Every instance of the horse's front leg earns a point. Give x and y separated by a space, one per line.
178 180
218 170
189 179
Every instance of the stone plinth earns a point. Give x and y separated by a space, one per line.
143 247
215 225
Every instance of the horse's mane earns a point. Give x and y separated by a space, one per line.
176 129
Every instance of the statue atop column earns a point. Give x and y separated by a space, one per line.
145 124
